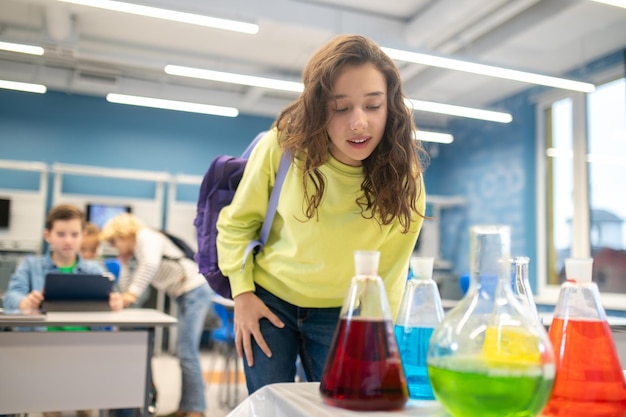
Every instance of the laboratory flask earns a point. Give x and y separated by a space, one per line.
521 284
363 370
589 379
488 357
420 311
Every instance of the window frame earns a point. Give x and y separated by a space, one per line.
581 234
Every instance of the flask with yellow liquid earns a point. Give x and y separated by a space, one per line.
489 357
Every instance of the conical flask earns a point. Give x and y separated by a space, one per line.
363 370
589 380
420 312
488 357
521 285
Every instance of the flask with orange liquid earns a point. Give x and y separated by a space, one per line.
363 370
589 380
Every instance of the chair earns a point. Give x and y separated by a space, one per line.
223 339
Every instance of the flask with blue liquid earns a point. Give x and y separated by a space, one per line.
420 312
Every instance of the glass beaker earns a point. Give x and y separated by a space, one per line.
488 357
420 312
589 380
363 370
521 285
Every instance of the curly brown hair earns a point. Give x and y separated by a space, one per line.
393 171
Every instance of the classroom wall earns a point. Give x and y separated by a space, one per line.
84 130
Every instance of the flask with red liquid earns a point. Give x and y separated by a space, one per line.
363 370
589 379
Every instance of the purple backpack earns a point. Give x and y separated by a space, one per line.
217 191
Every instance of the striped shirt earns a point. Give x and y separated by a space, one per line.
160 264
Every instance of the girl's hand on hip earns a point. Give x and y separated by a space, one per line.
249 310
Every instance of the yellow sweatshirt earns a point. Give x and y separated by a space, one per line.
308 262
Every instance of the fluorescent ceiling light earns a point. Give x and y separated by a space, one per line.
29 88
617 3
489 115
194 19
298 87
426 136
172 105
21 48
489 70
227 77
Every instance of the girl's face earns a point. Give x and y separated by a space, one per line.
357 113
64 238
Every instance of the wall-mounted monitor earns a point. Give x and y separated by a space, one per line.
5 212
99 214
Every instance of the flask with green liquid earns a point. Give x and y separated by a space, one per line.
489 357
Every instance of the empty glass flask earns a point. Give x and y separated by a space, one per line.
488 357
521 284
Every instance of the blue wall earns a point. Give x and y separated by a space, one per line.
83 130
492 166
76 129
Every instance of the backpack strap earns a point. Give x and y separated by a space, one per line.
248 151
256 245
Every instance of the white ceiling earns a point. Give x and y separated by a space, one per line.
94 51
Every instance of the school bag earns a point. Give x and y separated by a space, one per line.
217 191
181 244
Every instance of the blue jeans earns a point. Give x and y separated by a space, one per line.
308 332
192 310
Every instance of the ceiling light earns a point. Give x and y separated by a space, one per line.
618 3
194 19
21 48
489 70
298 87
29 88
489 115
227 77
438 137
172 105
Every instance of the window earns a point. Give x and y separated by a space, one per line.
607 187
582 201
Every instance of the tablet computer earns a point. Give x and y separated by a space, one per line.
77 292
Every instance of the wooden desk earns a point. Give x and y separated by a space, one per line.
57 371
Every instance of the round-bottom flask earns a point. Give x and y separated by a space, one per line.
489 357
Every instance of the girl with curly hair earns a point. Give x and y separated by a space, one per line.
355 183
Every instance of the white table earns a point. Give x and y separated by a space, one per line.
55 371
303 399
